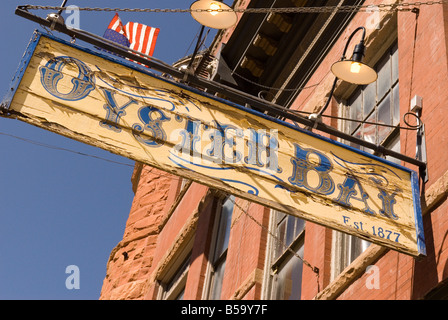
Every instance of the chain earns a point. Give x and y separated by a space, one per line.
404 6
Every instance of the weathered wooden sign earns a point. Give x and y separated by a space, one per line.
122 107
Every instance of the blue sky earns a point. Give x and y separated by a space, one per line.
57 207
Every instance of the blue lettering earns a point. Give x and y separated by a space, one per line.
51 74
153 119
302 166
114 112
388 201
223 139
190 137
260 153
348 192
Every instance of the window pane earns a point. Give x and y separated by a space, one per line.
396 106
217 281
394 146
279 216
384 117
224 227
289 279
355 111
180 296
369 99
369 130
356 247
384 77
357 134
281 231
300 226
290 230
395 63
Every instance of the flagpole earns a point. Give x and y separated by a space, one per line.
62 7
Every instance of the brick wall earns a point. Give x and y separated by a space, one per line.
246 252
126 276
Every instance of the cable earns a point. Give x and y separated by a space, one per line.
41 144
48 146
314 269
273 88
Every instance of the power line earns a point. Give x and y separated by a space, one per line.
48 146
79 153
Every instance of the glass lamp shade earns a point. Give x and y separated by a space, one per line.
211 16
354 72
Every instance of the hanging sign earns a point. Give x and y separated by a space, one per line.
121 107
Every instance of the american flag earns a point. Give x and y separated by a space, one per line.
115 32
134 35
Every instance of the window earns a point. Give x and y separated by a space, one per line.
285 281
377 102
174 288
219 250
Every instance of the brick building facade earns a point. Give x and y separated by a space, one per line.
185 240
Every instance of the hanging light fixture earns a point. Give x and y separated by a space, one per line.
213 14
354 70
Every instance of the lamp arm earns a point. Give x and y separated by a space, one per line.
350 38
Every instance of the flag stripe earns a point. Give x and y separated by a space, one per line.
141 37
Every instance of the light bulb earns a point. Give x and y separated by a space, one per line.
214 6
355 67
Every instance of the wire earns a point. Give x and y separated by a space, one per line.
273 88
276 238
48 146
41 144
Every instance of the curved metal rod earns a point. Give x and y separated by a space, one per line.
419 121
